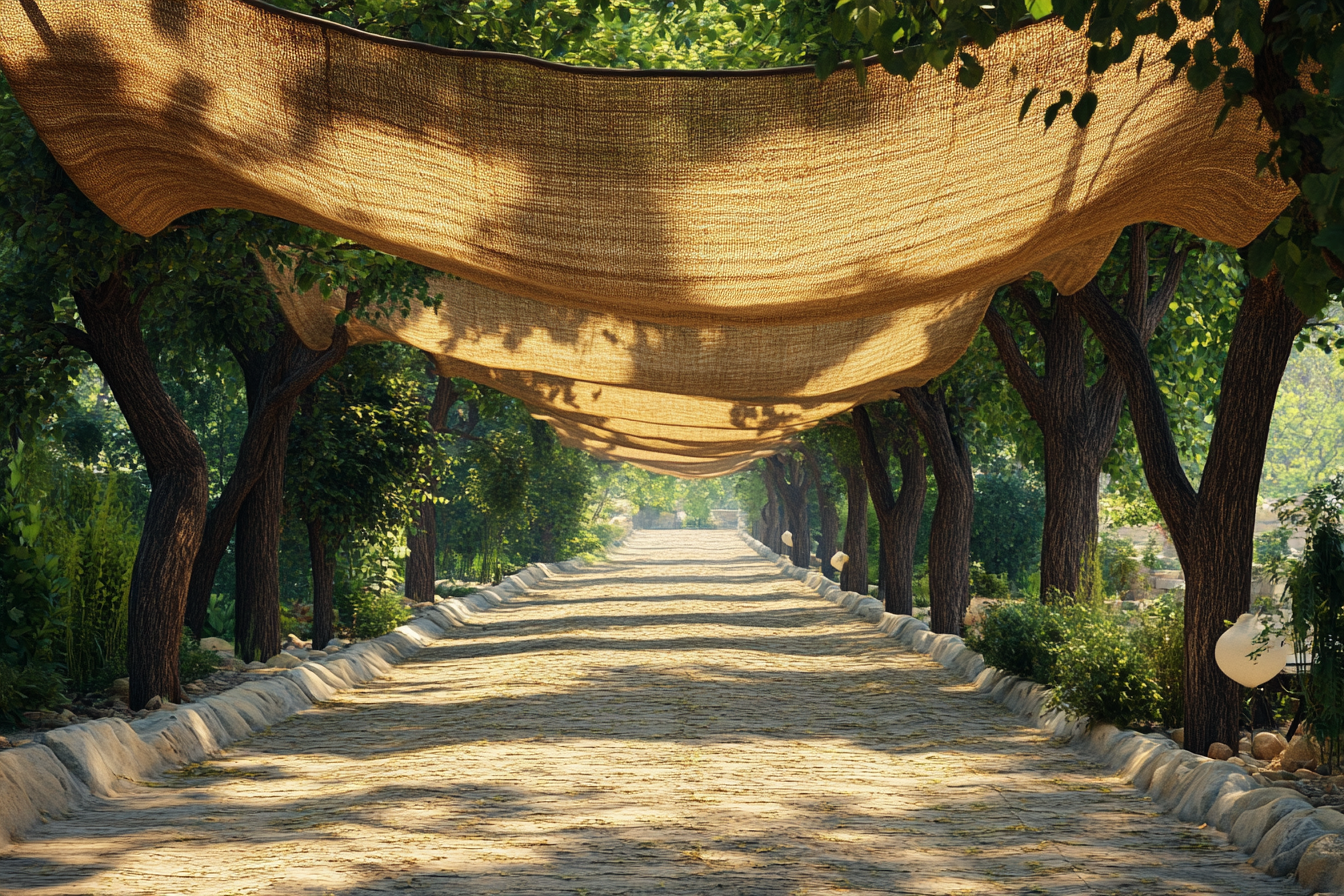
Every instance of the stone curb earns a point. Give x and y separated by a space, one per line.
1281 831
63 769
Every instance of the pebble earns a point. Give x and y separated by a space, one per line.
1301 753
1220 751
5 744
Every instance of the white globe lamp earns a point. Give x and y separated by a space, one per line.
838 560
1235 646
787 538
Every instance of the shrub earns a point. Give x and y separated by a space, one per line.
1019 637
28 687
987 584
1119 563
1101 672
97 559
194 661
1161 637
30 599
219 617
1272 546
367 614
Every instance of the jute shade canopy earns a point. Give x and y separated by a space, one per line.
683 269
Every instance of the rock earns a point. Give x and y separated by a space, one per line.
1321 868
1179 736
1306 774
154 704
316 654
66 716
282 661
1251 826
120 688
167 706
1267 744
299 652
1244 746
1301 753
338 642
5 744
1284 845
1220 751
255 665
332 648
219 645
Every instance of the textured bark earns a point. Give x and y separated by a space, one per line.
274 380
950 538
179 487
1212 528
1078 423
772 513
791 478
898 515
256 612
830 517
323 561
424 540
854 577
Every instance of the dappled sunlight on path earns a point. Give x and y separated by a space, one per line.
681 719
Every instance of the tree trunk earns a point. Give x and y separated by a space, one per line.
770 513
424 541
179 487
792 481
854 577
898 515
256 619
950 538
1212 528
274 379
830 517
1078 423
423 544
324 583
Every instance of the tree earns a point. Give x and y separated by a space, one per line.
355 448
898 516
1078 420
939 419
830 518
423 541
790 477
1213 525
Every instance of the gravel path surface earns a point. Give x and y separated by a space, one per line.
655 724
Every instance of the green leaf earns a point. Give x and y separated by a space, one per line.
1179 55
1083 109
827 60
1260 259
867 21
1331 239
1166 21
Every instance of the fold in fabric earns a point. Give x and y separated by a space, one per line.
684 267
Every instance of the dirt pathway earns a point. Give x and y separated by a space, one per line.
680 720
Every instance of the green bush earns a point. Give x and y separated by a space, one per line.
367 614
987 584
30 627
1101 672
219 617
1272 546
28 687
194 661
1161 637
1019 637
97 558
1119 563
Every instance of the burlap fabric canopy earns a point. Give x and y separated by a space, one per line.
679 268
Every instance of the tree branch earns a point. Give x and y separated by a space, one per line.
1020 374
1161 459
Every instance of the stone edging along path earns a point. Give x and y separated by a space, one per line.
61 769
1277 825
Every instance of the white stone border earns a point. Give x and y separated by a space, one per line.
1276 825
63 769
